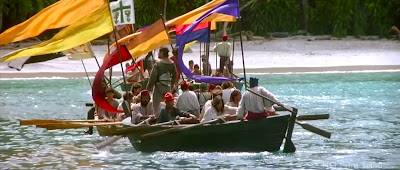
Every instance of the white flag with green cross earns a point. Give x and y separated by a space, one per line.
123 12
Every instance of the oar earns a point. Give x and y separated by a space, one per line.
312 117
177 129
314 129
111 140
51 121
303 125
75 125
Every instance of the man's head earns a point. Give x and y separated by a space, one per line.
169 100
224 37
191 63
184 85
163 53
218 103
253 82
109 92
203 87
217 91
128 96
236 96
144 97
135 89
196 67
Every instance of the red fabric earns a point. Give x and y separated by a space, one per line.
97 89
144 93
168 97
134 66
179 29
211 87
225 37
184 84
255 116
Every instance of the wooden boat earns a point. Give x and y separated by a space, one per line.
234 136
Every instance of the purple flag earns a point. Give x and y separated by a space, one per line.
229 7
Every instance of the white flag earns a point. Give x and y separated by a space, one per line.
80 52
123 12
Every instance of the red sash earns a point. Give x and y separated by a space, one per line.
255 116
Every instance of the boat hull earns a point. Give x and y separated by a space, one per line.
235 136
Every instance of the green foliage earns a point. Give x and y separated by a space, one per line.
271 16
337 17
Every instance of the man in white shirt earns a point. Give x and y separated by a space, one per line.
223 50
188 100
255 106
228 88
143 109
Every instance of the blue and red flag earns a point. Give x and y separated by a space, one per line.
200 33
229 7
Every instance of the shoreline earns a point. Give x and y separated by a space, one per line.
271 70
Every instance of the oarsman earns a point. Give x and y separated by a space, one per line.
228 88
216 92
162 78
218 109
255 106
144 109
223 50
203 95
188 101
235 98
102 114
126 105
170 112
135 89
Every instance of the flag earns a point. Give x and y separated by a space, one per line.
193 15
140 43
80 52
98 93
58 15
187 45
200 33
88 28
228 7
122 31
19 63
123 12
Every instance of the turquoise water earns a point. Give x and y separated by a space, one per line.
365 126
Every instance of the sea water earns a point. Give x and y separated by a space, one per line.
364 110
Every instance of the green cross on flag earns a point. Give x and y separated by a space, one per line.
123 12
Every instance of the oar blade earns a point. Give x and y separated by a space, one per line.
107 142
314 129
313 117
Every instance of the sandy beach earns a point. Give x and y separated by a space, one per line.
283 55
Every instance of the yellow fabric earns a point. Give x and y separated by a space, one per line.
88 28
60 14
187 45
191 16
160 40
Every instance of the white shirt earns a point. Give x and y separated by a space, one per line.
121 108
188 102
213 114
139 111
232 104
256 104
226 94
223 49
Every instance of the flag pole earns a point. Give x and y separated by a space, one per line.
241 47
134 61
116 42
87 75
165 28
110 69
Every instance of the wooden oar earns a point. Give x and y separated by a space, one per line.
52 121
314 129
177 129
111 140
303 125
75 125
312 117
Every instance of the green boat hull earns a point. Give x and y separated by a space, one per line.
234 136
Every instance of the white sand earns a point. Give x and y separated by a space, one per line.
277 56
